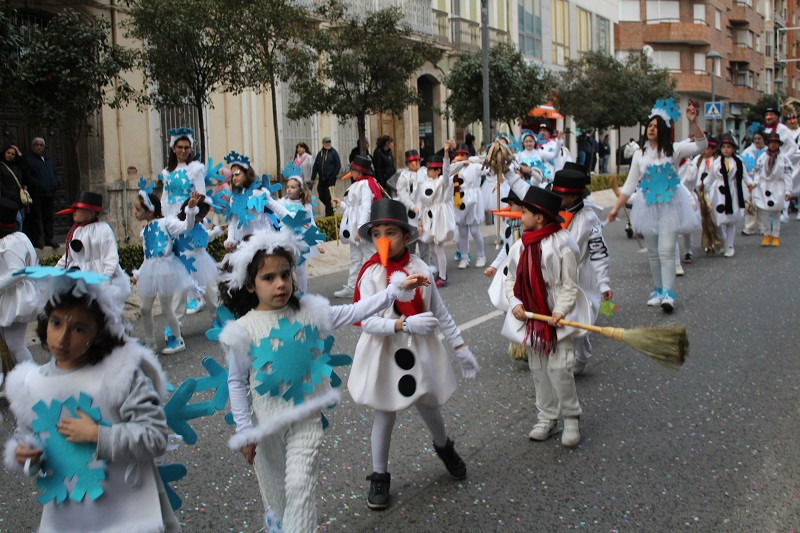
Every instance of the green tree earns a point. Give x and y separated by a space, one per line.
188 52
270 37
69 71
515 86
600 92
755 112
9 50
364 68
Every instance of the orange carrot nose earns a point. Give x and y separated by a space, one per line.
347 176
382 244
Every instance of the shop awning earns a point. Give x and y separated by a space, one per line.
546 111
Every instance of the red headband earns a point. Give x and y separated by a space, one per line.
568 190
360 168
412 158
90 207
435 165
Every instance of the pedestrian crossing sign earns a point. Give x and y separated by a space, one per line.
713 110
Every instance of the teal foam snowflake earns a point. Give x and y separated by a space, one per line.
541 166
179 411
216 380
62 461
169 473
659 183
212 172
177 186
223 316
38 272
155 240
668 106
240 200
749 161
299 360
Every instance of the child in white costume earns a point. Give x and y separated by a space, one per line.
549 151
357 201
283 435
528 159
399 360
91 244
724 187
772 124
252 207
297 200
191 249
771 189
543 278
468 208
437 222
582 220
663 208
408 190
750 157
18 295
162 275
183 174
97 400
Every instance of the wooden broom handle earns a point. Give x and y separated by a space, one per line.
611 333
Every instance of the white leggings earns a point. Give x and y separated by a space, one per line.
437 250
14 335
382 427
772 229
463 240
728 233
661 253
167 310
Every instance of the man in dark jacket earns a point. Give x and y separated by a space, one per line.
383 160
326 165
43 183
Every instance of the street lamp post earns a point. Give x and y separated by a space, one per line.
713 56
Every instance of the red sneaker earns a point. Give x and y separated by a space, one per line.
441 282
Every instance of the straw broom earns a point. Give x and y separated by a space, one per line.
332 191
666 345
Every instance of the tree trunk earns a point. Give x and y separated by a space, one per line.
275 127
362 134
201 124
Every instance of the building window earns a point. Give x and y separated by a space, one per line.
668 59
699 13
560 31
744 38
700 63
663 11
718 19
584 31
629 11
603 35
530 27
296 131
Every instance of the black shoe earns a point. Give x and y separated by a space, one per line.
452 461
38 245
53 245
378 497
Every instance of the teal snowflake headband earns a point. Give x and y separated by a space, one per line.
666 109
176 133
145 190
235 158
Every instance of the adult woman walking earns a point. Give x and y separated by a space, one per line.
13 179
304 160
663 208
383 160
183 174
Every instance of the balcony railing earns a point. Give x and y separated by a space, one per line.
440 27
497 36
416 13
465 34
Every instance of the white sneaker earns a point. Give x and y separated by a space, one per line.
198 306
798 215
543 430
181 346
344 292
481 262
655 299
679 270
572 434
463 264
729 251
667 303
784 218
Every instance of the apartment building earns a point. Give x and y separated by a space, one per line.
680 36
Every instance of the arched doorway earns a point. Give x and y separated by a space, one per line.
427 86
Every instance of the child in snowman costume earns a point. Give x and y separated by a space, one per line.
468 207
408 189
399 360
771 189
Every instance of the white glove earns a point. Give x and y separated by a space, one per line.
467 361
423 323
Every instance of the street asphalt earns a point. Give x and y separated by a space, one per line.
711 447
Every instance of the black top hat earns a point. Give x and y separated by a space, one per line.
774 137
362 163
570 181
412 155
8 216
512 198
543 201
387 211
772 109
728 138
545 126
84 200
462 149
712 142
435 161
572 165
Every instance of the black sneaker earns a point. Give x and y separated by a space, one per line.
378 497
688 258
452 461
53 245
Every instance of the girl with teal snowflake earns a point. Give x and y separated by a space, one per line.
663 208
162 275
89 421
278 351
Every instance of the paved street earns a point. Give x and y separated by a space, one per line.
712 447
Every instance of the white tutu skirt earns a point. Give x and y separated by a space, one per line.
207 270
162 276
677 215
